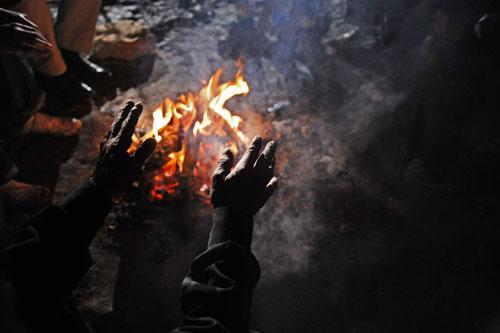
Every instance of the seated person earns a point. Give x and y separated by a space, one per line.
22 106
22 99
66 73
48 257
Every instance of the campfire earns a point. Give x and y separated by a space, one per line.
191 132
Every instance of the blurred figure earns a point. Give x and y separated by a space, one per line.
22 101
22 98
66 73
455 112
44 262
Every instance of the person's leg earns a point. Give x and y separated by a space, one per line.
18 196
76 22
23 102
51 73
38 11
42 123
21 95
75 31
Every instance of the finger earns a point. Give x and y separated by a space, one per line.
29 27
267 156
27 30
264 174
117 123
271 187
44 43
37 33
32 38
251 154
27 21
269 171
223 167
144 151
25 27
38 46
128 127
25 35
29 33
103 142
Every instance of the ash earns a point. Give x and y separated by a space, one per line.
386 208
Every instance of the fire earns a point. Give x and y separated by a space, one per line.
190 132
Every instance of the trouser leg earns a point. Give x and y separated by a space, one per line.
21 96
76 23
38 11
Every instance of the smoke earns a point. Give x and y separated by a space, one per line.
331 77
327 80
327 75
331 69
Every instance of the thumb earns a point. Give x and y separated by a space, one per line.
223 167
144 151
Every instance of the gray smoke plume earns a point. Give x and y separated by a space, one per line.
327 79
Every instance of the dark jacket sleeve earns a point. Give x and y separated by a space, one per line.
217 292
49 255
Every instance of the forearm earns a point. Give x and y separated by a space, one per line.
53 246
231 225
217 292
76 220
87 207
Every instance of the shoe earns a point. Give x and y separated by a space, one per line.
57 108
42 123
65 87
25 197
85 70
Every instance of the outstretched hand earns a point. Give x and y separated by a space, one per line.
19 34
116 169
247 187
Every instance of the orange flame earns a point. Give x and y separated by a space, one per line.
196 117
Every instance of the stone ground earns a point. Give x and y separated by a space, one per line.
358 238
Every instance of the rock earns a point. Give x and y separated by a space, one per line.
339 36
279 107
304 70
123 40
340 32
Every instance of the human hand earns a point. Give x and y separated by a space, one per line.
19 34
488 28
247 187
116 169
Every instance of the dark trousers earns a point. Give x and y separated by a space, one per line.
19 92
21 98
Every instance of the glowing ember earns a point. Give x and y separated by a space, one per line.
191 133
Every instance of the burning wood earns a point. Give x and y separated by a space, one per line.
191 131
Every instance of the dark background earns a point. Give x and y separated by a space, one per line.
387 215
